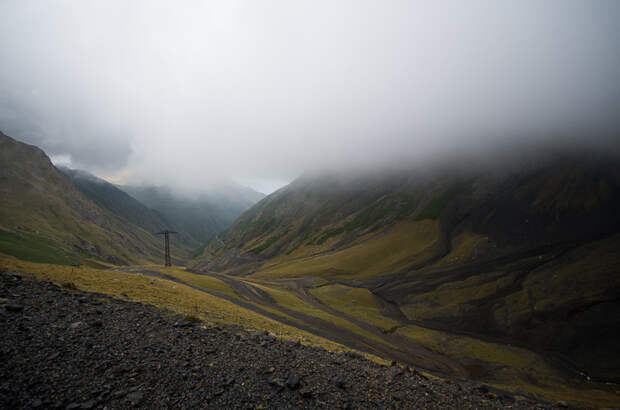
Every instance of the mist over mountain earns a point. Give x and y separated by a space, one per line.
198 217
110 197
300 87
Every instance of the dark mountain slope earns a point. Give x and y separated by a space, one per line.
525 252
201 217
120 203
44 217
116 201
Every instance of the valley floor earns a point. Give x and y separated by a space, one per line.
63 348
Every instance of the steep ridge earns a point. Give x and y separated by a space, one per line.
45 217
116 201
123 205
525 253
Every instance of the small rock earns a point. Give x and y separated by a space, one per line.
395 371
73 406
36 403
277 383
293 381
353 355
227 382
339 383
562 404
13 307
306 393
75 325
88 404
135 397
492 395
97 323
270 370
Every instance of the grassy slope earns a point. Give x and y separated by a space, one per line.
163 294
359 303
39 204
409 243
34 248
287 299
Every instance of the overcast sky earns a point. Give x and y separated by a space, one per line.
189 92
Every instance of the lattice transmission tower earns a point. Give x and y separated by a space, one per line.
166 234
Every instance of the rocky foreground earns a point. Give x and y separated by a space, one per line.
60 348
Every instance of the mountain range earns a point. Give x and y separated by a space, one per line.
519 251
523 251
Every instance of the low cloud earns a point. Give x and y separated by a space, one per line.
195 92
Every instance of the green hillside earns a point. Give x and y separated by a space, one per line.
520 254
45 218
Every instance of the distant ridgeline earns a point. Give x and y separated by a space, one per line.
69 217
198 218
526 252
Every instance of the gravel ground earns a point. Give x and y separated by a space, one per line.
73 350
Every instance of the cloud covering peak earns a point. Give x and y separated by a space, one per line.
192 92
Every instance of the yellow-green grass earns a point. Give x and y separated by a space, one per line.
359 303
214 284
452 299
287 299
52 220
408 243
202 281
464 247
518 370
163 294
34 248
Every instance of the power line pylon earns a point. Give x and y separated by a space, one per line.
166 234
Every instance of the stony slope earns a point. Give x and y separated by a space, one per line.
44 217
68 349
525 253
